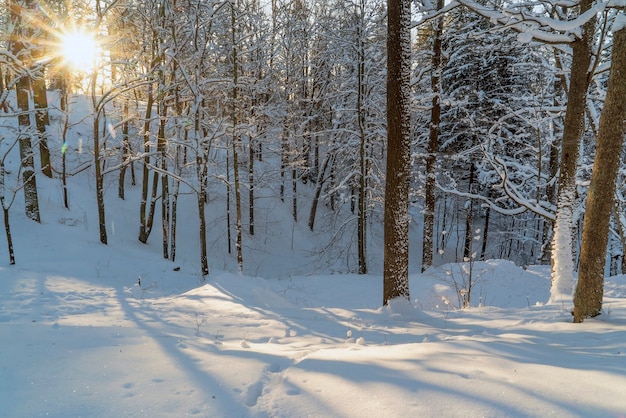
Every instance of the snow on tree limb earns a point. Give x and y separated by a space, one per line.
512 193
531 27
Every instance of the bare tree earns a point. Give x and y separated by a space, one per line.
236 138
396 253
21 51
433 144
574 127
601 192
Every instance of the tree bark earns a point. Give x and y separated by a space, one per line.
42 120
19 49
396 212
433 147
469 217
98 167
31 198
125 150
5 210
318 189
574 124
363 146
145 222
601 192
236 144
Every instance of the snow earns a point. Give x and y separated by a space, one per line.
620 22
525 37
540 28
81 337
562 290
116 331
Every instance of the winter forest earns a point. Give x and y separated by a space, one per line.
249 104
262 180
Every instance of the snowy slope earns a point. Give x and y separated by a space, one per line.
89 330
80 337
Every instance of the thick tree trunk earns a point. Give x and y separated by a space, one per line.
42 120
601 192
31 198
22 33
574 124
396 212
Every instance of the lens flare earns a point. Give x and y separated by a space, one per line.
78 48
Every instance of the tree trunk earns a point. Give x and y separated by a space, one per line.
7 230
204 263
433 147
41 119
574 124
251 156
229 237
22 33
546 250
294 193
5 210
284 158
236 144
318 190
396 212
125 150
175 193
363 165
483 249
144 224
66 120
31 198
37 79
601 192
165 193
469 217
98 168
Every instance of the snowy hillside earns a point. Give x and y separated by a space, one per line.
81 336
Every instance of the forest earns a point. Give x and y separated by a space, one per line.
244 106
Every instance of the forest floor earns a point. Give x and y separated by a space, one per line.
82 337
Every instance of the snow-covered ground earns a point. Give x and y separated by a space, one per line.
81 337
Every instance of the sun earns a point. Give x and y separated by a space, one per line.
79 49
